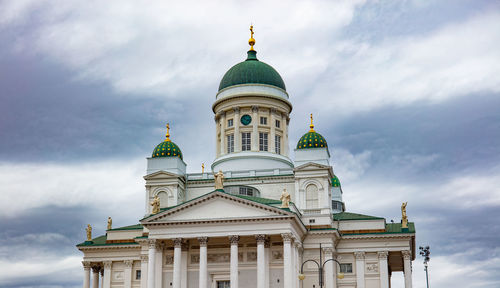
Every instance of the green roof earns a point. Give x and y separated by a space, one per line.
335 181
101 241
353 216
311 139
167 148
251 71
130 227
396 228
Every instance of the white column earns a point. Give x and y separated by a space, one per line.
297 263
287 261
107 274
237 136
267 253
234 261
203 274
335 271
360 269
159 264
95 276
272 124
86 274
255 126
329 274
176 283
261 264
127 281
223 133
151 263
384 271
407 267
102 276
144 271
284 122
184 265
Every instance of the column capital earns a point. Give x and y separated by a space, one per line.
160 245
406 254
360 255
86 264
234 239
287 237
236 109
101 272
144 258
383 254
178 242
261 238
267 243
96 268
328 251
255 108
203 241
128 263
297 244
152 243
107 264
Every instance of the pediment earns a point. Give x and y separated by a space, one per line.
312 166
217 206
160 175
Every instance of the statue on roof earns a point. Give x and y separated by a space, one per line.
219 180
404 218
89 232
156 205
110 222
285 199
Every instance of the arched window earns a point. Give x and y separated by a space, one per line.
311 196
163 199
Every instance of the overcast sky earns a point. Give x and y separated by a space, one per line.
405 92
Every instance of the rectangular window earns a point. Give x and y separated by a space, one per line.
245 141
346 267
278 123
229 122
230 143
223 284
277 144
263 120
247 191
336 205
137 274
263 141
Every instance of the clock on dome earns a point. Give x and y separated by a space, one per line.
246 119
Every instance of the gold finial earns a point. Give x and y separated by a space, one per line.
251 41
202 168
89 232
168 133
312 125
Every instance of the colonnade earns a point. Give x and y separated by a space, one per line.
99 269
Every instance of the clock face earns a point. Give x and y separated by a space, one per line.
246 119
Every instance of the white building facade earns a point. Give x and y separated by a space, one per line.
242 236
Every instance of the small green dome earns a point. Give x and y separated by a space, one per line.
312 139
252 71
335 181
167 148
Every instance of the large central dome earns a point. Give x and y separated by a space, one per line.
252 71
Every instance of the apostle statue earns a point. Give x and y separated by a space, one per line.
219 180
156 204
89 232
285 199
404 218
110 222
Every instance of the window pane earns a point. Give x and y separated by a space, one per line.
277 144
311 197
245 141
278 123
346 267
230 123
263 143
263 120
230 143
138 275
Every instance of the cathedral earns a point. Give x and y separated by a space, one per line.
257 218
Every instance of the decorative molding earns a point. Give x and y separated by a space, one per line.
203 241
86 264
234 239
144 258
236 110
152 243
107 264
128 263
178 243
255 108
287 237
360 255
261 238
160 245
328 251
267 243
371 268
383 255
406 254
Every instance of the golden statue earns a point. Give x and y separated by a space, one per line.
89 232
110 222
202 168
404 218
156 205
251 41
285 199
219 180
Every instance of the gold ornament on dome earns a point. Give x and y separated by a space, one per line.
251 41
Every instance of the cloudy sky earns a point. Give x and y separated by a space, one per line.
405 92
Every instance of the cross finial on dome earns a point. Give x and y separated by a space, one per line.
312 125
251 41
168 133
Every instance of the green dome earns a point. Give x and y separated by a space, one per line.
312 139
252 71
167 148
335 181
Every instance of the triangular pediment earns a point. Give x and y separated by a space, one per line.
216 206
312 166
160 175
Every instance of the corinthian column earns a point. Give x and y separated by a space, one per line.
95 276
261 264
255 131
128 273
237 136
287 260
384 271
107 274
144 271
203 262
152 262
360 269
86 274
234 261
177 263
407 267
329 275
